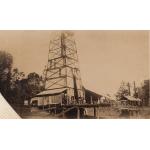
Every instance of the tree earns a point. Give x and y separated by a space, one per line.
10 85
123 90
16 75
6 61
144 92
24 88
35 83
16 86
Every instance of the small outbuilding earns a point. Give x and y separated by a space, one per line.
130 101
49 97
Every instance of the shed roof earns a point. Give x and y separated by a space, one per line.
112 98
92 93
51 92
131 98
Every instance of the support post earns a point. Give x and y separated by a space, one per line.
78 113
55 108
91 100
63 113
43 104
95 112
98 112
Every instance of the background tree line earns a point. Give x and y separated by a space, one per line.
15 86
142 91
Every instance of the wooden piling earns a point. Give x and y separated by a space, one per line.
95 112
78 113
98 112
63 115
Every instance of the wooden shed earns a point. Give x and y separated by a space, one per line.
49 97
130 101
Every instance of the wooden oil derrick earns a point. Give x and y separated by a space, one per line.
62 70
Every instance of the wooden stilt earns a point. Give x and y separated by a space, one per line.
43 104
98 112
78 113
49 108
63 113
55 109
91 100
95 112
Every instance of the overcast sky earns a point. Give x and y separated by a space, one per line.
106 57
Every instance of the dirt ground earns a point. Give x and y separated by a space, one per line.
112 113
35 113
102 113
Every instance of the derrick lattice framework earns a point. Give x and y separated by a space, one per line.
62 70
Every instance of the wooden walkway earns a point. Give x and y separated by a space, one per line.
79 110
78 107
87 105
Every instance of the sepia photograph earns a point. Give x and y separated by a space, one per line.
74 74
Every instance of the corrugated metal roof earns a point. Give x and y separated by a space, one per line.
110 97
51 92
132 98
6 111
89 91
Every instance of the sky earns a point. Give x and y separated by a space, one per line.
105 57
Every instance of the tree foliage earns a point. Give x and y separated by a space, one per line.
16 75
14 86
122 91
35 83
144 92
6 61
